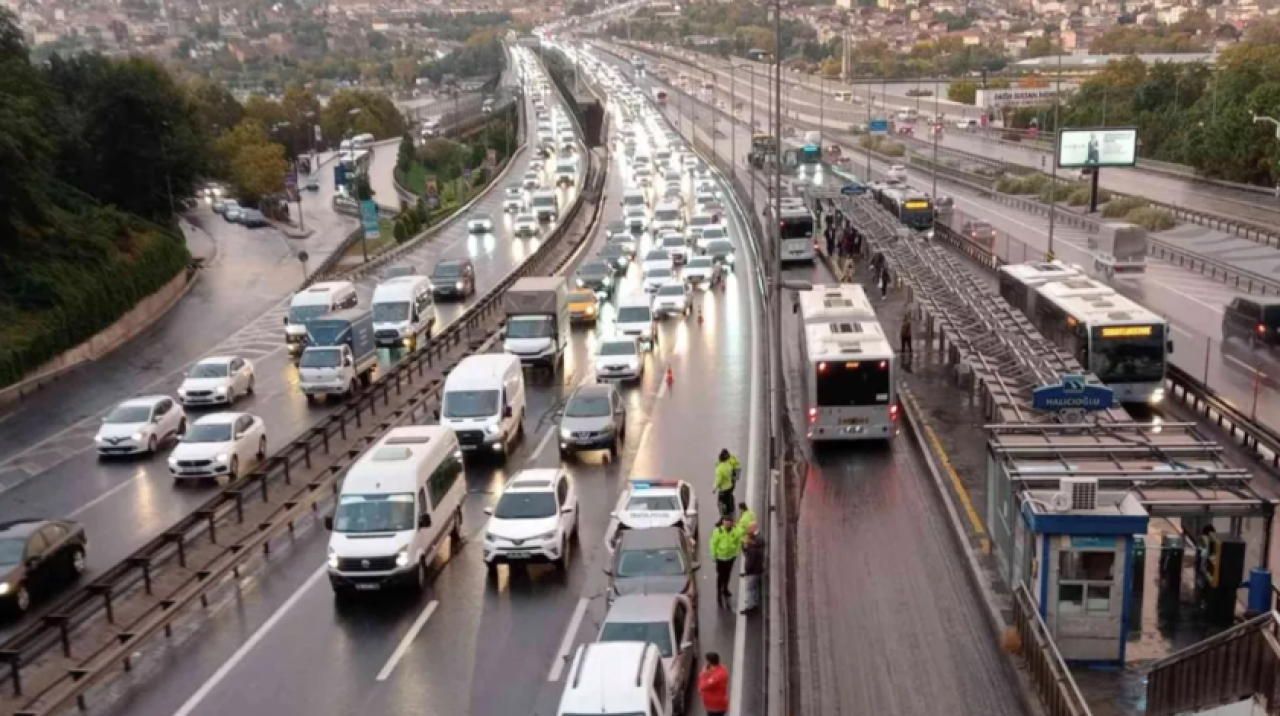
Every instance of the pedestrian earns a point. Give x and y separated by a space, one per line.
746 518
884 280
726 545
726 479
905 333
713 684
753 554
831 240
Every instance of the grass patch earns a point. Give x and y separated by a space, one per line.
1120 208
1151 219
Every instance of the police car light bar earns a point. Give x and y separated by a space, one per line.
642 484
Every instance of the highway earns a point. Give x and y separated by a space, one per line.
473 644
124 503
1191 302
807 103
882 595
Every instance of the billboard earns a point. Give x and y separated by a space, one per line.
369 217
1115 147
1018 96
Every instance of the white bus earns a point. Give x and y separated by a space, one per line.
796 230
833 303
850 390
1125 345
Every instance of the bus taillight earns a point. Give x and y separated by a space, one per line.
893 411
884 364
822 368
813 415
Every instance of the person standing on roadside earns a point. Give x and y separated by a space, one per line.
726 545
713 685
753 554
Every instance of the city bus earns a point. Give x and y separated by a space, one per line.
913 209
850 381
357 161
1122 343
795 231
832 303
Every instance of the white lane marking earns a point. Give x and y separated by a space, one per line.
193 703
409 636
551 432
1243 365
104 496
1184 294
566 643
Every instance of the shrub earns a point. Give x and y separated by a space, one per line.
1120 208
401 234
893 150
1078 197
1152 219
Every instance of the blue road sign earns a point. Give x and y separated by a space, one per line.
291 179
1072 393
369 217
879 126
854 189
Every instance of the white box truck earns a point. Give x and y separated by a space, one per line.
341 349
1119 248
537 325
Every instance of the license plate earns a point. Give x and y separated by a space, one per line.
518 555
368 586
853 421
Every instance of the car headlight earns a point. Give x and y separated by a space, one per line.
728 259
221 457
591 310
581 283
1157 395
544 536
182 392
137 437
222 390
565 434
491 429
402 558
173 462
333 559
459 285
4 588
608 280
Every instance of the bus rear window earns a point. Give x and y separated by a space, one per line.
841 385
797 229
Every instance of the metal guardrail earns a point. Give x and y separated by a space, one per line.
89 634
1048 671
1251 435
1239 664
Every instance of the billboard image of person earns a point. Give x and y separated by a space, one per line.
1091 153
1080 148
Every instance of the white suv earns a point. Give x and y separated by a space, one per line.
535 520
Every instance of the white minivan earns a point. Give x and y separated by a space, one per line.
313 302
403 309
484 402
396 505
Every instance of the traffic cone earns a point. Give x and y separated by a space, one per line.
699 315
671 378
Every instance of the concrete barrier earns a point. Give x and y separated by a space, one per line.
138 319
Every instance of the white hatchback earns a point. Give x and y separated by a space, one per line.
140 425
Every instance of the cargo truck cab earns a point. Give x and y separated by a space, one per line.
537 325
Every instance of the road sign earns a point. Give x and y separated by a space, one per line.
369 217
291 179
318 137
466 172
1072 393
854 189
879 126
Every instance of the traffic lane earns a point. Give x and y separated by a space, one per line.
905 594
133 499
250 273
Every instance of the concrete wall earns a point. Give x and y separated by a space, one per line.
141 317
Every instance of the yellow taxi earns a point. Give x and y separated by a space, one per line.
583 306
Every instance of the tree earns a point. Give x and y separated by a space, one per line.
1042 47
581 7
215 109
377 116
406 155
258 171
964 92
404 70
831 67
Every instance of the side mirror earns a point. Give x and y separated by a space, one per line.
348 362
488 510
566 510
686 646
613 515
607 571
695 566
34 561
1169 348
157 419
328 522
506 412
693 512
424 520
286 320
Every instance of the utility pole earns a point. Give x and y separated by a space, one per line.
937 127
733 115
1053 160
775 263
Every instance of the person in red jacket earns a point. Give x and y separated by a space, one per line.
713 684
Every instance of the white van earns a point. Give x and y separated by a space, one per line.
362 141
318 300
615 678
635 318
402 310
396 505
484 402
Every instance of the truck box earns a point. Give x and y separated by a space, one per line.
537 327
350 333
1119 248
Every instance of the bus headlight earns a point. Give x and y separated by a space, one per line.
1157 395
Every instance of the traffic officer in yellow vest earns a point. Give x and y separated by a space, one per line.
726 479
726 545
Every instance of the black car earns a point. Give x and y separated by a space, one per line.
455 278
1255 321
37 557
658 560
616 256
597 276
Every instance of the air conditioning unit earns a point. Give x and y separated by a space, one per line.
1076 493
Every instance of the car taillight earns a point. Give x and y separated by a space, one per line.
813 415
1261 329
893 412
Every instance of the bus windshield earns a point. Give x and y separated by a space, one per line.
1127 354
852 384
797 228
811 155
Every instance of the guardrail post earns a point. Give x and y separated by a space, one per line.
240 505
265 496
287 472
213 527
14 659
359 424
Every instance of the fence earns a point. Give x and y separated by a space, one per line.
1239 664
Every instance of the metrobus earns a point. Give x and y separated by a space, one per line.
913 209
795 231
356 162
1125 345
850 386
835 302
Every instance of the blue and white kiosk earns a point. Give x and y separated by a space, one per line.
1074 546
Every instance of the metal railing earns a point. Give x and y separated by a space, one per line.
1048 671
97 629
1239 664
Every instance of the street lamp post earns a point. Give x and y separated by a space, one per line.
937 128
775 264
733 115
1053 159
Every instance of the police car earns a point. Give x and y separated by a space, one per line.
645 504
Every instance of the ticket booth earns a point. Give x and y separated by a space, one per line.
1081 569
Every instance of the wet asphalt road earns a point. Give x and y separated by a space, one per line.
490 644
806 101
1192 303
125 502
887 621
